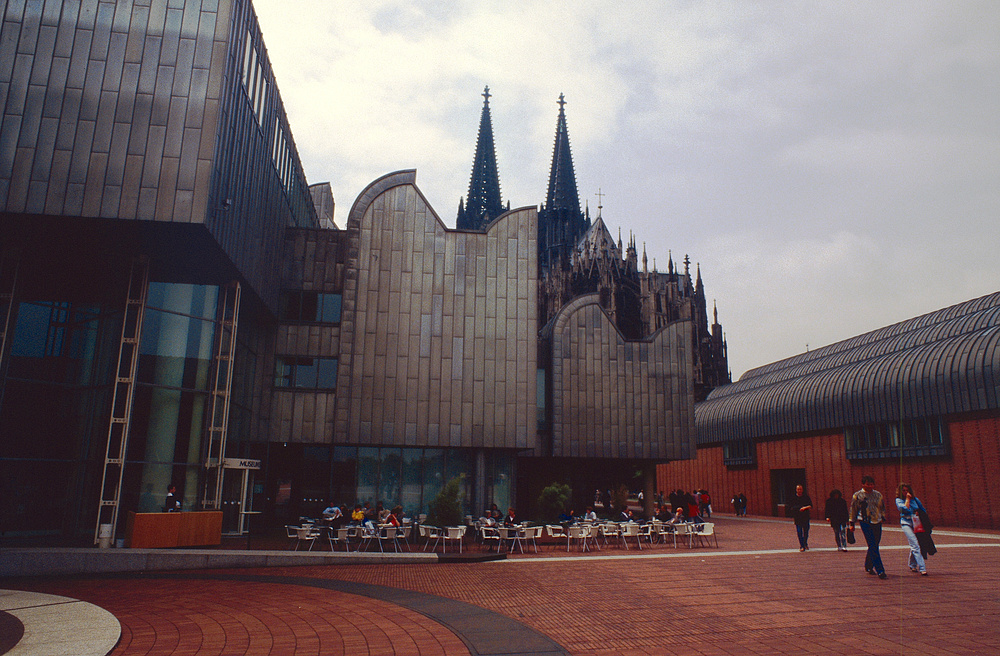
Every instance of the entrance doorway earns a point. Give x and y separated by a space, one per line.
783 482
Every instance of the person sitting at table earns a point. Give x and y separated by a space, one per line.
494 513
664 515
590 515
395 516
625 516
358 516
567 517
333 516
510 519
370 516
679 516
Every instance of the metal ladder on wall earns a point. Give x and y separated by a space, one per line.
121 397
225 354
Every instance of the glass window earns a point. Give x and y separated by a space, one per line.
739 453
540 417
309 306
433 475
367 474
919 437
331 308
326 373
410 484
305 373
298 306
389 478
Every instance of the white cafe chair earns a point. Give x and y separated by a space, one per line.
631 531
683 530
489 536
453 533
578 533
306 534
339 536
703 532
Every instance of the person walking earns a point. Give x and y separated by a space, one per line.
909 521
173 501
800 507
868 507
836 514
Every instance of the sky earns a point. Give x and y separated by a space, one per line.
832 167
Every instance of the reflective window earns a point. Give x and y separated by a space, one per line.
310 307
305 372
739 453
920 437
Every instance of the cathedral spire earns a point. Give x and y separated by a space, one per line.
484 202
562 193
561 224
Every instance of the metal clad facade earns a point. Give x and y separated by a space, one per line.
438 329
939 363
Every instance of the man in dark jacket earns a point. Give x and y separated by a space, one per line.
800 507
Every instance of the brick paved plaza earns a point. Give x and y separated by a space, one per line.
754 594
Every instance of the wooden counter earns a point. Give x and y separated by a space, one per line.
176 529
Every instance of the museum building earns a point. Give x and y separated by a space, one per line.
915 402
177 305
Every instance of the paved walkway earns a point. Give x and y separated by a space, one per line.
755 594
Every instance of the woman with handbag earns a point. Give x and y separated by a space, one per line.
909 521
836 514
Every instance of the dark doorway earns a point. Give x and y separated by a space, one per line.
783 482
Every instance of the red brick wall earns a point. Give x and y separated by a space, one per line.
963 490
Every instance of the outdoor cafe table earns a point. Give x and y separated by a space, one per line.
512 536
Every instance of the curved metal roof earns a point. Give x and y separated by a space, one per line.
939 363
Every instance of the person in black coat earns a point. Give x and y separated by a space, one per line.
173 501
800 508
836 513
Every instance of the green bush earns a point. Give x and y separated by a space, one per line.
553 500
446 509
621 498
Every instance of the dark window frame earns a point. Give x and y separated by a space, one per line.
300 306
739 453
304 372
917 437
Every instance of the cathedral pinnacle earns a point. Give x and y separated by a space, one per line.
562 193
484 202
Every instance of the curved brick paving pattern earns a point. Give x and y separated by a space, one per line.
205 617
754 594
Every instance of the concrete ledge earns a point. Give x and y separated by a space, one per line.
47 562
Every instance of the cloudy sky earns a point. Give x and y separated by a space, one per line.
833 167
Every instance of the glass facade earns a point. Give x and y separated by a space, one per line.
56 389
409 477
172 393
